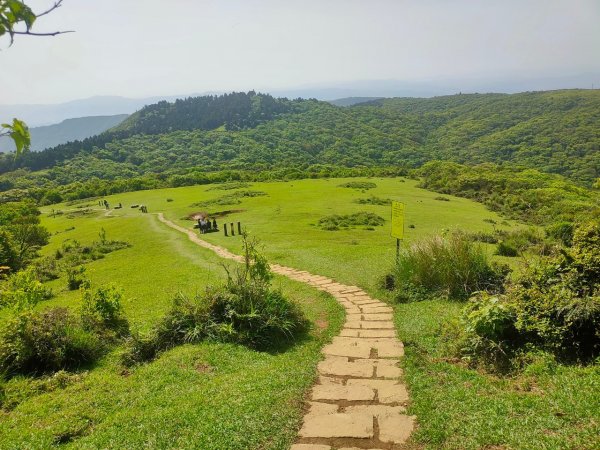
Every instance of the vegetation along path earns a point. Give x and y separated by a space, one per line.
358 401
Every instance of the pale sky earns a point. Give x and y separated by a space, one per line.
139 48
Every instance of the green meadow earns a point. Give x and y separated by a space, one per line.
217 396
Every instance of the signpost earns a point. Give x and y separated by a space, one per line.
397 224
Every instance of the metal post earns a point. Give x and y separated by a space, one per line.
232 232
225 229
239 228
397 249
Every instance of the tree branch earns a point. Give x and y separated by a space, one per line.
30 33
56 5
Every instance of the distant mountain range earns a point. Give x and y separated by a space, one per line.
68 130
39 115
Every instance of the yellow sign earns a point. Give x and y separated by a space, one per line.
398 220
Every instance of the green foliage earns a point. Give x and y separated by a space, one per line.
13 12
373 200
230 199
453 267
101 310
526 195
506 249
75 277
338 222
37 342
553 306
23 291
562 232
18 130
362 185
245 311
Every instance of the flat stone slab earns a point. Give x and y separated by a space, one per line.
349 332
345 349
377 317
388 391
378 411
336 392
340 366
388 368
321 409
396 429
383 324
339 425
376 333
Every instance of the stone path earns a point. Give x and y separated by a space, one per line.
358 401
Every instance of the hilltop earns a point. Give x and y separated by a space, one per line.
555 131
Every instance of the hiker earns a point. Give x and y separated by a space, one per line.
203 225
215 227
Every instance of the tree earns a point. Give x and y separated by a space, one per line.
16 18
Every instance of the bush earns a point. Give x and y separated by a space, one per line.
561 231
363 185
33 342
552 307
75 277
506 249
101 310
245 311
373 200
22 291
454 267
336 222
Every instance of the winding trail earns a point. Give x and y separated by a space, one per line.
359 401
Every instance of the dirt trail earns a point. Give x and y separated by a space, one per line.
358 401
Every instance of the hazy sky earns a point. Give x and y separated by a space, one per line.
141 48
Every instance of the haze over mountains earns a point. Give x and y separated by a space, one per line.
48 114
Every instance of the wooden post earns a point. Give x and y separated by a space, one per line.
225 229
397 249
239 228
232 232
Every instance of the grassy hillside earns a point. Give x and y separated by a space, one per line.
224 396
556 132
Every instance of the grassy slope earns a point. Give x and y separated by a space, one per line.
457 407
245 399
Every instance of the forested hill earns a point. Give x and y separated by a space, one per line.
554 131
557 132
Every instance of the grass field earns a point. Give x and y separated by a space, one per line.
222 396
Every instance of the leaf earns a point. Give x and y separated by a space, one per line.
19 132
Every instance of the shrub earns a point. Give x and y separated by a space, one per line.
336 222
481 236
442 199
553 307
506 249
454 267
373 200
245 310
363 185
33 342
22 290
75 277
561 231
101 310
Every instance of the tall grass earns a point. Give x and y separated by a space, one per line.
452 266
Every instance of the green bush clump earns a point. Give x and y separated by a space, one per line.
337 222
554 307
246 310
363 185
38 342
23 290
453 267
506 249
481 236
231 199
561 231
102 311
35 342
373 200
